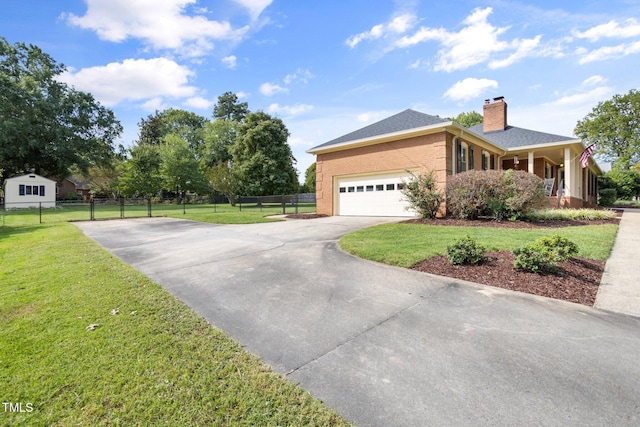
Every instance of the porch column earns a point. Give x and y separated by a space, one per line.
530 162
568 171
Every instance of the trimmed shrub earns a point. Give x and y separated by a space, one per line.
544 254
423 195
498 194
466 251
72 195
468 193
607 196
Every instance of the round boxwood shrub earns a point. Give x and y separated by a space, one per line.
466 251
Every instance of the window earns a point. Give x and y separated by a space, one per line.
42 190
351 189
22 190
486 160
28 190
369 187
400 186
462 156
35 190
391 187
360 189
343 190
380 187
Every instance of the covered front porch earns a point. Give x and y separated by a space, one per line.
567 184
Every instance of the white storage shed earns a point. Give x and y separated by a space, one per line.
29 191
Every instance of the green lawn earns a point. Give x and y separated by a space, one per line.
154 363
406 244
220 214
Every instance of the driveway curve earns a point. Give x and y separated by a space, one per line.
388 346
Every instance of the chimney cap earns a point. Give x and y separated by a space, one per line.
487 101
499 98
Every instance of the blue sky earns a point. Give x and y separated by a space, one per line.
330 67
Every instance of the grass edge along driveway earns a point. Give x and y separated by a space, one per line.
404 245
149 361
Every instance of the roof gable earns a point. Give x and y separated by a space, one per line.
405 120
514 137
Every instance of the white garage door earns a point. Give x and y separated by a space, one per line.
373 195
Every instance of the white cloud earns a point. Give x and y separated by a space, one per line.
133 79
475 43
270 89
398 25
198 102
160 24
300 75
154 104
289 110
594 80
230 61
254 7
469 88
612 29
609 52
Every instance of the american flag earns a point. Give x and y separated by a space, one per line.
584 157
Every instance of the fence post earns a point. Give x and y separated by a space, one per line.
92 214
121 208
184 205
297 202
240 202
40 203
284 205
214 204
149 207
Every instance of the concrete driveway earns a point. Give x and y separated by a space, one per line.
387 346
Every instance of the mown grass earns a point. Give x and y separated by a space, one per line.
155 362
219 214
406 244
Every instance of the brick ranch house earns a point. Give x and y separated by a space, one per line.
362 172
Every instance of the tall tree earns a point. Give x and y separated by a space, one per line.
469 119
223 178
310 178
262 158
188 125
614 126
46 126
180 168
228 108
140 174
219 136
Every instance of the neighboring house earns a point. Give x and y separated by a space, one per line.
362 173
29 191
74 185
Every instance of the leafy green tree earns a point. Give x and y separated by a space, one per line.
469 119
262 157
626 182
45 126
151 130
219 136
223 178
310 178
228 108
140 174
614 126
188 125
180 169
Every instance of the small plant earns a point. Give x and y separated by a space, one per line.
544 255
466 251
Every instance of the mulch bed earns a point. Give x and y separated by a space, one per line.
577 280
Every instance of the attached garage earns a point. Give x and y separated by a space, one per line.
372 195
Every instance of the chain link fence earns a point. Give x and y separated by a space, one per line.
101 209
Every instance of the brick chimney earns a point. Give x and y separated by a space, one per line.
495 114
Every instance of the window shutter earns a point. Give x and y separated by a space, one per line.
42 190
471 159
459 156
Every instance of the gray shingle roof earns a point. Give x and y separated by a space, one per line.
514 137
407 119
